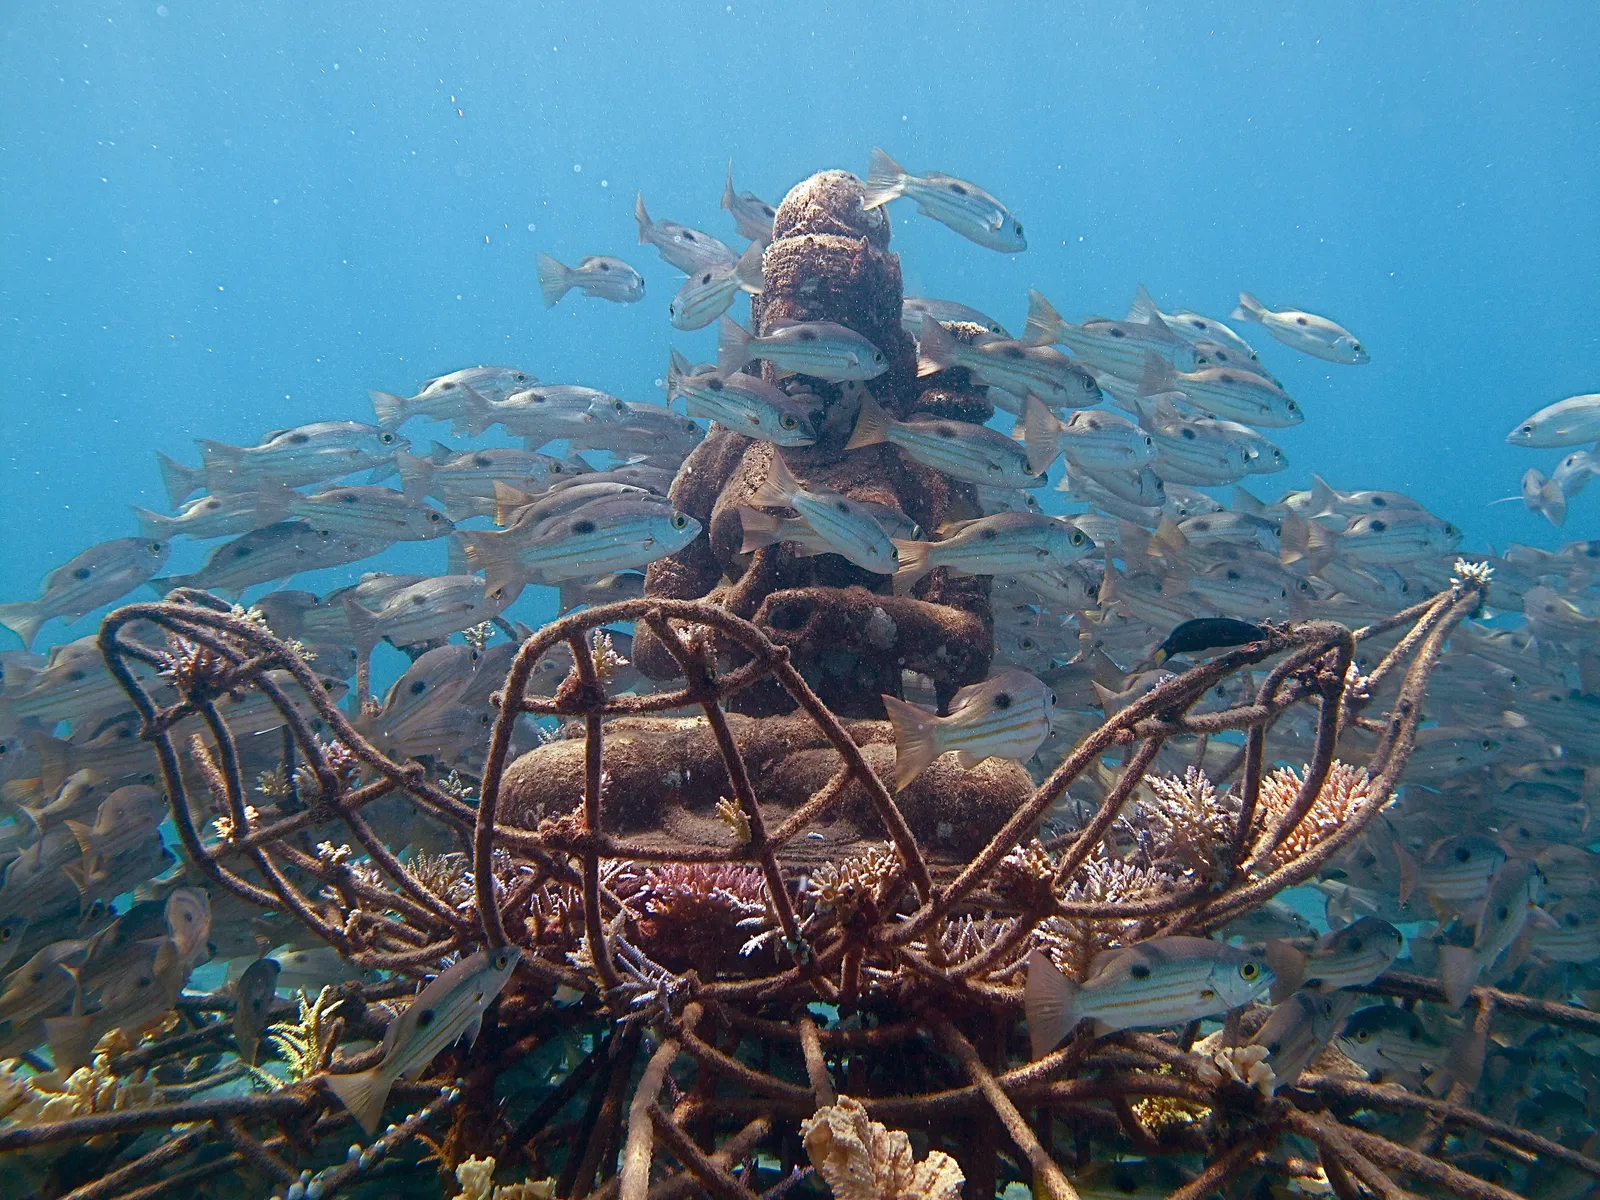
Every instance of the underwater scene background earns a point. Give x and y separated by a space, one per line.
295 901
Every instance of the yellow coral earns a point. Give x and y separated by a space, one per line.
861 1159
476 1177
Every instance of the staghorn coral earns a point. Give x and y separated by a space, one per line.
862 1159
1346 793
1073 942
1192 824
841 888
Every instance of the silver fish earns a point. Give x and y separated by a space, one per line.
305 454
1231 394
974 453
431 609
1017 368
707 294
687 249
821 349
744 404
463 482
274 552
1118 347
1004 544
962 206
1090 438
447 1010
1568 422
101 574
1163 981
544 413
916 309
752 216
372 512
1348 957
1008 715
226 515
839 524
1303 331
444 397
1190 326
614 534
1512 898
597 275
253 996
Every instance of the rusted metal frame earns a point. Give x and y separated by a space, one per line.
286 892
1392 1096
685 1183
1179 692
731 1068
634 1177
409 961
735 680
1432 611
563 1094
824 799
1394 747
713 1178
705 689
1386 1154
1420 987
816 1064
600 1146
1110 809
174 1185
1226 1165
168 1151
877 1037
396 870
984 961
965 987
172 774
273 1107
397 1136
593 772
1045 1169
1337 1153
351 887
253 1152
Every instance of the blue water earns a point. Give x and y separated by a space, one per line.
221 221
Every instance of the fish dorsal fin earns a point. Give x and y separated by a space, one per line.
1143 307
1043 324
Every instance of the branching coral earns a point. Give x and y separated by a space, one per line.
1191 823
1344 796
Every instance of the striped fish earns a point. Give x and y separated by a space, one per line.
1115 346
613 533
1231 394
709 293
449 1008
1190 326
974 453
1015 367
1012 543
745 404
1163 981
1008 715
964 207
1091 438
821 349
839 525
1299 1028
1348 957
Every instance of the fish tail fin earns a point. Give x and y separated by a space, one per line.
1043 323
84 835
152 524
778 488
1288 963
1294 538
643 217
1048 1002
70 1044
1458 973
1041 434
416 473
1108 701
273 499
1249 309
388 408
1553 503
485 553
508 501
363 626
872 425
219 456
1158 375
24 620
886 180
364 1093
915 741
555 280
180 481
1463 1062
1143 308
750 269
761 529
1245 502
1410 873
457 560
729 196
936 348
1321 546
1169 535
733 347
677 371
914 563
477 414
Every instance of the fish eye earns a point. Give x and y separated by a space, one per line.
1089 384
1248 970
679 521
1018 227
156 547
788 421
1355 945
1356 346
1502 913
434 517
1293 407
895 555
386 438
1364 1036
1052 699
1077 538
1526 429
1487 744
1027 643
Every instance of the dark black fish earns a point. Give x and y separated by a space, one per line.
1207 633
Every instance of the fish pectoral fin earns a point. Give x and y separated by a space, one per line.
1458 973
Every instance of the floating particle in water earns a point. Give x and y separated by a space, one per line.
577 168
605 183
163 11
532 227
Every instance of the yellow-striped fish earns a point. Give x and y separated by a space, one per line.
1164 981
450 1007
1008 715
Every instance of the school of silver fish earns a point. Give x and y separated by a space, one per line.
1153 428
